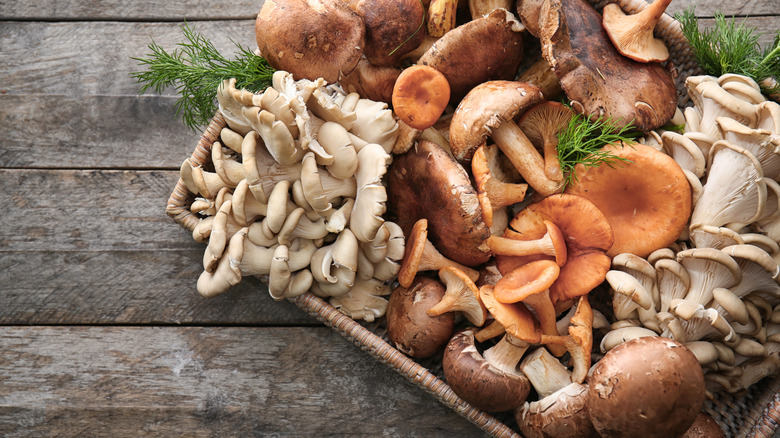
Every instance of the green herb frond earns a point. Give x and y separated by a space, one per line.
730 46
195 69
582 142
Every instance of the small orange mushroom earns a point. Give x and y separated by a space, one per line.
586 232
551 244
579 341
492 189
421 255
461 295
420 95
530 284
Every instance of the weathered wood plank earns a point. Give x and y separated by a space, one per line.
146 10
109 132
94 58
80 381
128 287
63 210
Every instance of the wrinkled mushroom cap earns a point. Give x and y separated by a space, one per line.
391 29
650 387
427 182
310 38
647 201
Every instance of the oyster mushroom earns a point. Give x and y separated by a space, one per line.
409 326
494 189
461 295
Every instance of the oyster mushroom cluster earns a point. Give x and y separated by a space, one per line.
296 195
716 288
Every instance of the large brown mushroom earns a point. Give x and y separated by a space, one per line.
310 39
392 29
487 48
427 182
599 81
649 387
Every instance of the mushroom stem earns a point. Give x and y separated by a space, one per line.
524 156
541 75
551 244
506 354
651 14
546 373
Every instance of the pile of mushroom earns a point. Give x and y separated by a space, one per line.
296 195
715 289
460 213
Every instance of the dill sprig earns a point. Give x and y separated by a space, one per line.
582 142
732 47
196 69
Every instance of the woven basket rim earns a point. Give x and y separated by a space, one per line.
766 420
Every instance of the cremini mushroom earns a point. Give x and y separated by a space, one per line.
477 381
391 29
409 326
561 408
650 386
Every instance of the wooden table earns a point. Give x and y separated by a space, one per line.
102 332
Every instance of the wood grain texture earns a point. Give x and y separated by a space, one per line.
147 10
204 382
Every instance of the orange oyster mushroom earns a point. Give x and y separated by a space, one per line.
587 234
421 255
530 284
551 244
493 189
647 200
541 124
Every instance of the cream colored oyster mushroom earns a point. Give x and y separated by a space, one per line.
364 300
335 139
716 102
371 195
375 123
227 273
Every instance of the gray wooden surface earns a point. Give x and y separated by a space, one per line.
101 330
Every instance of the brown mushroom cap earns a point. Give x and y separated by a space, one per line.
649 387
310 39
478 382
586 231
392 29
427 182
561 414
371 81
488 48
541 124
599 81
486 107
647 201
409 326
704 427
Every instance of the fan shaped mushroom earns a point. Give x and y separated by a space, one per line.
633 34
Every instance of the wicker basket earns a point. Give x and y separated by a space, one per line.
755 413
